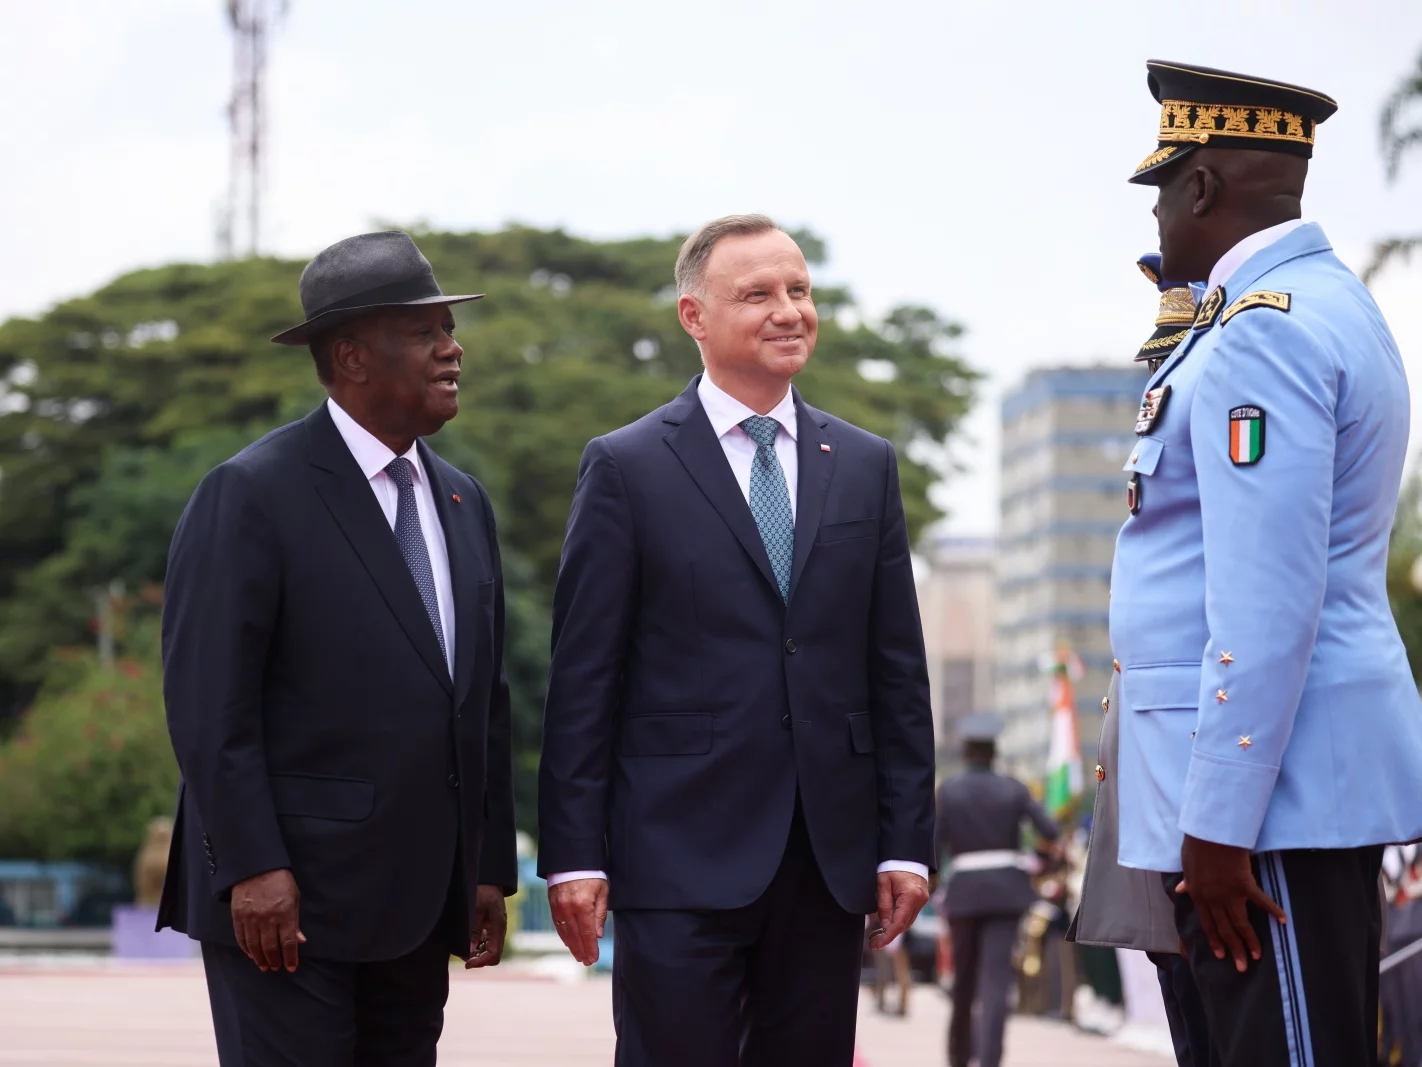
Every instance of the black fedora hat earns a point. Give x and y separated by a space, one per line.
360 274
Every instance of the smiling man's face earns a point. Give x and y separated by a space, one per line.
757 319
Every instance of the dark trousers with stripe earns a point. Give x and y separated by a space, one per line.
1312 999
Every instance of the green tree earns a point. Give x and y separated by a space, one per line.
113 405
90 766
1400 130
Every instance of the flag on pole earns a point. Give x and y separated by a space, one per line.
1064 777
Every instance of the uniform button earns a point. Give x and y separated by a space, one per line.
785 721
1116 665
452 781
1100 773
212 868
1105 705
790 646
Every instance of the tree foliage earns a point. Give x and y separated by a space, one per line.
113 405
1400 131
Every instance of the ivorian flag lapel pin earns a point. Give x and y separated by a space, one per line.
1246 435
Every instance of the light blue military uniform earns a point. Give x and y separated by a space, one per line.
1266 699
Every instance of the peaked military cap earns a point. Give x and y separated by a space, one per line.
1201 106
979 728
1175 316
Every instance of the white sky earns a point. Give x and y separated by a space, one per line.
971 156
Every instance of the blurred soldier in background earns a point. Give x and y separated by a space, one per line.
980 819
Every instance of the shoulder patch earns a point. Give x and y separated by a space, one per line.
1262 299
1246 435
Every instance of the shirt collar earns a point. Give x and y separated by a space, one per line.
1236 257
726 412
372 455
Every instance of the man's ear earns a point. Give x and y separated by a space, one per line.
690 311
1205 189
348 358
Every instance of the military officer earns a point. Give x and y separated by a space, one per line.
980 818
1122 907
1270 730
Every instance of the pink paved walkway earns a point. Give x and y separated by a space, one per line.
151 1016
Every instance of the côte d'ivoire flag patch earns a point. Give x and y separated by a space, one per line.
1246 435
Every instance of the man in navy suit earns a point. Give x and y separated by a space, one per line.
333 670
738 747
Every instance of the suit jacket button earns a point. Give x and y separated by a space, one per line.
790 647
785 721
452 781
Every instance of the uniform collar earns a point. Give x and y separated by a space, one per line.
725 412
372 455
1237 256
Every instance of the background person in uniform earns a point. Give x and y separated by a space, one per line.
1270 729
1122 907
333 629
738 744
980 819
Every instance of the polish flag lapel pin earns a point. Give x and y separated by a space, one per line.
824 447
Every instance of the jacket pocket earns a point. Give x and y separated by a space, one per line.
845 531
1145 456
861 733
322 797
1163 687
666 735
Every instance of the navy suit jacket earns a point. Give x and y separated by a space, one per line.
687 701
313 715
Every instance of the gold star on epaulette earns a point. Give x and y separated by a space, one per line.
1222 696
1244 742
1226 658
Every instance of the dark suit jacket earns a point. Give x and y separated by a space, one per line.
687 700
981 811
313 716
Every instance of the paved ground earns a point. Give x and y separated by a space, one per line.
85 1015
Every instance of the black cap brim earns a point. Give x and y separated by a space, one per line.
302 334
1164 341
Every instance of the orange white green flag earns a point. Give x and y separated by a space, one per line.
1064 778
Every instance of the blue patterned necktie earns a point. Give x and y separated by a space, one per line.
410 536
770 500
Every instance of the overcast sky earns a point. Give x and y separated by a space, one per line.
970 156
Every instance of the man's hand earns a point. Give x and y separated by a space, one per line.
902 896
490 927
579 913
1221 883
265 914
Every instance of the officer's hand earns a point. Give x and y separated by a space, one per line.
490 926
579 912
1221 884
902 896
265 913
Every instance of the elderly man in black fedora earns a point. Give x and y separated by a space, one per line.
333 632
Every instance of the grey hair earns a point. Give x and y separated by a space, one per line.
696 249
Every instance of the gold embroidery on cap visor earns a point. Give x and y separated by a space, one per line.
1160 155
1166 342
1183 121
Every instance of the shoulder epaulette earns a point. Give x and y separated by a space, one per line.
1262 299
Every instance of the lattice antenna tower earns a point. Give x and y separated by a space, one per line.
252 22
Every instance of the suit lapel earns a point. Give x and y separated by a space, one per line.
464 573
695 444
816 471
347 494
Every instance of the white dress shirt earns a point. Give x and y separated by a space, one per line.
372 456
726 414
1236 257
